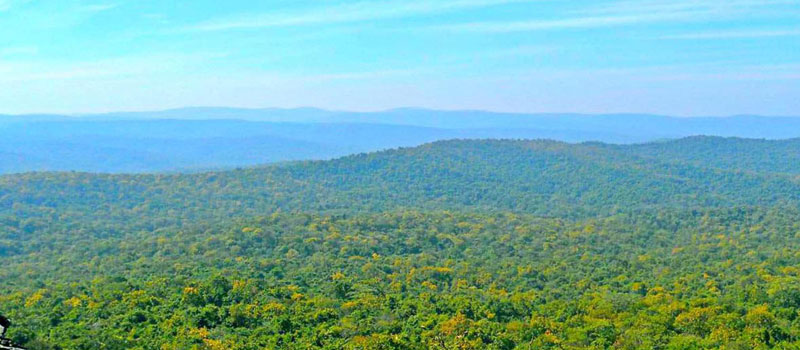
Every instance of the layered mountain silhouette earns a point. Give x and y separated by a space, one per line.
193 139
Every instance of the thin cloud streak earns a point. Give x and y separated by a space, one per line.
626 13
712 71
719 7
361 11
99 7
114 68
573 23
6 5
742 34
19 51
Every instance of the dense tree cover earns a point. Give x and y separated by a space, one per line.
412 280
539 177
727 153
453 245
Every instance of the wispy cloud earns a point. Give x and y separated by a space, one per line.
6 5
630 13
756 73
718 7
735 34
105 69
355 12
535 25
98 7
700 72
519 51
18 51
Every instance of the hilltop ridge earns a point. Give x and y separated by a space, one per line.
540 176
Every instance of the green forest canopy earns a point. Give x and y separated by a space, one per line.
465 244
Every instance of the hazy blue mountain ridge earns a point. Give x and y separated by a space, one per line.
211 138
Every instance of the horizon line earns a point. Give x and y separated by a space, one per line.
379 111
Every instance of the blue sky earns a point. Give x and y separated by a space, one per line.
679 57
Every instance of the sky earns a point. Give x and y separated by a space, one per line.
676 57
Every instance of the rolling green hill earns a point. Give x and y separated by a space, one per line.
728 153
539 177
462 244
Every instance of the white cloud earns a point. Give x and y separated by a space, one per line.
6 5
634 12
18 51
98 7
735 34
719 7
697 72
361 11
755 73
535 25
113 68
519 51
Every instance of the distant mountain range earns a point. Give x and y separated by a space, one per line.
210 138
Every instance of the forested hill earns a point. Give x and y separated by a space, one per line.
728 153
538 177
462 244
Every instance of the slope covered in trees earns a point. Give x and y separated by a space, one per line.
728 153
411 280
539 177
464 244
